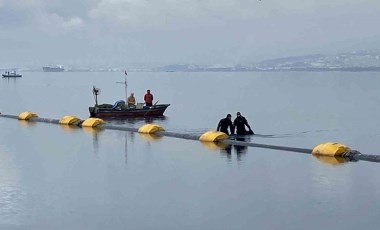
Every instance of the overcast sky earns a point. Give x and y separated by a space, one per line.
159 32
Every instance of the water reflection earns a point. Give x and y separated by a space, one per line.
10 79
95 137
71 128
126 147
132 135
134 120
227 150
239 150
330 160
27 123
150 137
12 195
95 132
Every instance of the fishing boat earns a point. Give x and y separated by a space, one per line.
11 74
121 109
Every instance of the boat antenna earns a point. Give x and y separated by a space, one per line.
125 83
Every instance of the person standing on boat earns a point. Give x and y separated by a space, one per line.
240 122
131 101
224 124
148 98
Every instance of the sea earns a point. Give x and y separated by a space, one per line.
58 177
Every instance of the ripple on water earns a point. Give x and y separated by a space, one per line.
11 204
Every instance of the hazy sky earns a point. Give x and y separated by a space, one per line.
156 32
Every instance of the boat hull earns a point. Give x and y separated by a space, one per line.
12 75
146 111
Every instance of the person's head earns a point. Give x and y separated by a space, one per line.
132 94
228 116
238 114
148 91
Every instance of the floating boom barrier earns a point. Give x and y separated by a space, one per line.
329 149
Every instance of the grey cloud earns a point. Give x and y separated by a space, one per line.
193 31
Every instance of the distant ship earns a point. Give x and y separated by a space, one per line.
57 68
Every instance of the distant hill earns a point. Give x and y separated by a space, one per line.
356 60
368 60
351 61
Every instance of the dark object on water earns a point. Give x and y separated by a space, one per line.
120 110
11 74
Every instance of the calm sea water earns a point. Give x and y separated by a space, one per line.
52 177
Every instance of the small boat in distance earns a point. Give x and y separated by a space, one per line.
11 74
58 68
120 108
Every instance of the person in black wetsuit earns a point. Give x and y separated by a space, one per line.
224 124
240 122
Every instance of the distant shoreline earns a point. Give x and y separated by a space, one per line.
223 69
274 69
341 69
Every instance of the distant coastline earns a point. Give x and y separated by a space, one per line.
355 61
289 69
340 69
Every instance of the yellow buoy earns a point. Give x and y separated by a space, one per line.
69 120
26 115
92 122
212 136
330 149
150 128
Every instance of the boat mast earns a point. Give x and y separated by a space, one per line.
125 83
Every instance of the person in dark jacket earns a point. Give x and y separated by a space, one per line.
224 124
240 122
